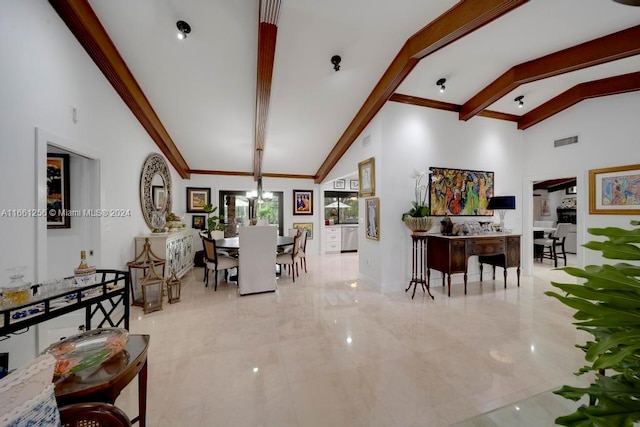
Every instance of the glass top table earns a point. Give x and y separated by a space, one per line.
539 410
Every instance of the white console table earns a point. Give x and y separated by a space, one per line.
176 247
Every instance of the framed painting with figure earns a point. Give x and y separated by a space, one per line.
372 218
198 222
545 207
303 202
305 226
367 178
197 199
58 191
615 190
460 192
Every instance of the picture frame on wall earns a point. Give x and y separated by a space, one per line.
199 222
460 192
372 218
545 207
367 178
615 190
354 184
58 195
339 184
305 226
303 202
197 199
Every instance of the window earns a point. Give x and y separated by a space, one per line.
341 207
235 206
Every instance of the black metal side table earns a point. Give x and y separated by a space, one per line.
418 262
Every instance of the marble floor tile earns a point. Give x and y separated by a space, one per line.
330 350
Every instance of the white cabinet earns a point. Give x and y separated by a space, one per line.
176 247
332 239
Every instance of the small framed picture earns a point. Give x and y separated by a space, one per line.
58 191
367 178
339 184
372 218
572 190
303 202
305 226
197 199
158 197
354 184
198 222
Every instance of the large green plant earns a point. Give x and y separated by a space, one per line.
608 307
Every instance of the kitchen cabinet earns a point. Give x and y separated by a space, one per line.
332 240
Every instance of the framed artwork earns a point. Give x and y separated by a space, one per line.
367 178
305 226
460 192
158 196
197 199
372 218
339 184
199 222
303 202
545 207
615 190
353 184
571 190
58 191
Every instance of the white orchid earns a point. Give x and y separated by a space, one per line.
421 192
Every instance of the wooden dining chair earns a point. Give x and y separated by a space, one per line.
216 262
548 247
302 252
290 259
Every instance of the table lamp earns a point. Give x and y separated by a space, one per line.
502 204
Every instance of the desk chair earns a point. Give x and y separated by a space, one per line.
216 262
552 243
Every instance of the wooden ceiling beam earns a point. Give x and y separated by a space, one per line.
86 27
447 106
612 47
233 173
603 87
462 19
267 35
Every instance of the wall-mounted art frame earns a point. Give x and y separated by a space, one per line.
615 190
199 222
545 207
197 199
372 218
354 184
571 190
367 178
58 195
305 226
460 192
303 202
339 184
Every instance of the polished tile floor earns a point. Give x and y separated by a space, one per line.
328 350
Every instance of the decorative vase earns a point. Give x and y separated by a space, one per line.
423 223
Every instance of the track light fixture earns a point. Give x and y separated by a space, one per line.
519 100
183 29
441 83
335 60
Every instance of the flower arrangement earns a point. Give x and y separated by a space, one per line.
417 218
420 207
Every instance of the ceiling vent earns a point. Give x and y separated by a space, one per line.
366 140
565 141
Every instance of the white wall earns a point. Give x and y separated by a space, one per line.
608 130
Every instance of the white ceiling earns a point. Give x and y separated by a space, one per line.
203 88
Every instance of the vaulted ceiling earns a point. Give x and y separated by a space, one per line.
252 90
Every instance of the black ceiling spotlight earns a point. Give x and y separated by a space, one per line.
519 100
441 83
335 60
183 29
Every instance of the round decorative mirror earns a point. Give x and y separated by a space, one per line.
155 188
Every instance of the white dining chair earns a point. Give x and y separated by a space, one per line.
257 263
290 259
554 243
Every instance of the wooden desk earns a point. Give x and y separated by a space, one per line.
104 383
450 254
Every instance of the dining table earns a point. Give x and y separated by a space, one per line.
234 242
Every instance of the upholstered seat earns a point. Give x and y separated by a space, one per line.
216 261
548 247
291 258
257 268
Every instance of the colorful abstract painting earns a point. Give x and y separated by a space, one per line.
621 190
460 192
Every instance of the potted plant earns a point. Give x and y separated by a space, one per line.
608 307
215 227
417 218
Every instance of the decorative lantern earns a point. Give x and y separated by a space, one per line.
139 268
173 288
152 285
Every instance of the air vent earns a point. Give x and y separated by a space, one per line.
366 140
565 141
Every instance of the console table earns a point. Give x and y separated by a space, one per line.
450 254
